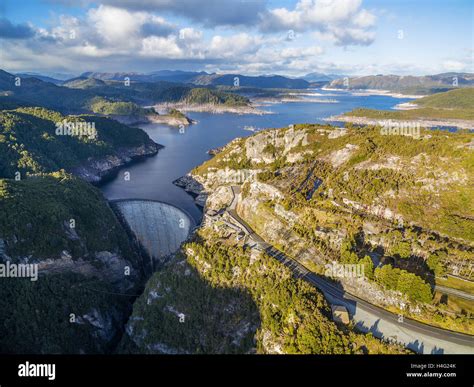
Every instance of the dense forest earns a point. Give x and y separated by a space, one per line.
29 144
37 214
79 302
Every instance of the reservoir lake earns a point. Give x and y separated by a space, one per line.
153 177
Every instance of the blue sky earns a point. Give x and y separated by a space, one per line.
289 37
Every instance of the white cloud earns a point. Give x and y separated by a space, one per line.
205 12
300 52
119 27
364 19
342 21
346 36
160 47
114 25
234 45
454 65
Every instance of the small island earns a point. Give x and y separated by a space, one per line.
172 118
131 113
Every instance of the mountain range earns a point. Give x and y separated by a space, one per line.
427 84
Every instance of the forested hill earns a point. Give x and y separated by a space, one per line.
457 104
86 263
29 142
453 99
273 81
79 95
63 225
428 84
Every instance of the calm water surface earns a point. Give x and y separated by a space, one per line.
152 178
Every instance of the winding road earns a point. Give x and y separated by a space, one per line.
420 337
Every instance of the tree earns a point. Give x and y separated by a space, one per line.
407 283
434 262
368 267
387 276
402 249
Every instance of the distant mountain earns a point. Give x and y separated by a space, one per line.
77 95
177 75
84 83
321 77
156 76
43 78
119 76
33 91
428 84
267 81
204 79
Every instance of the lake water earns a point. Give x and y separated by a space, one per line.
152 178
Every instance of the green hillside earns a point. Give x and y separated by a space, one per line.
29 144
453 99
36 213
324 194
207 96
453 104
420 85
102 106
35 222
84 83
81 95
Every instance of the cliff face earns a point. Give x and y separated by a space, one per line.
94 170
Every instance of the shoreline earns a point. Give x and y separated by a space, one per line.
170 120
271 101
362 92
102 170
406 106
164 119
211 108
427 123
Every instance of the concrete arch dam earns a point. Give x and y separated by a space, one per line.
160 227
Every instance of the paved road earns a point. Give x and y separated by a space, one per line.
417 336
455 292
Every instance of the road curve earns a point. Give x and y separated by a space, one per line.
420 337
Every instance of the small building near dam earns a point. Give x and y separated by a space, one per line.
340 314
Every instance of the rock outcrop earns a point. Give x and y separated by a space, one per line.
95 170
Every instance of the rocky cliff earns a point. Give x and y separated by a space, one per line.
357 196
94 170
